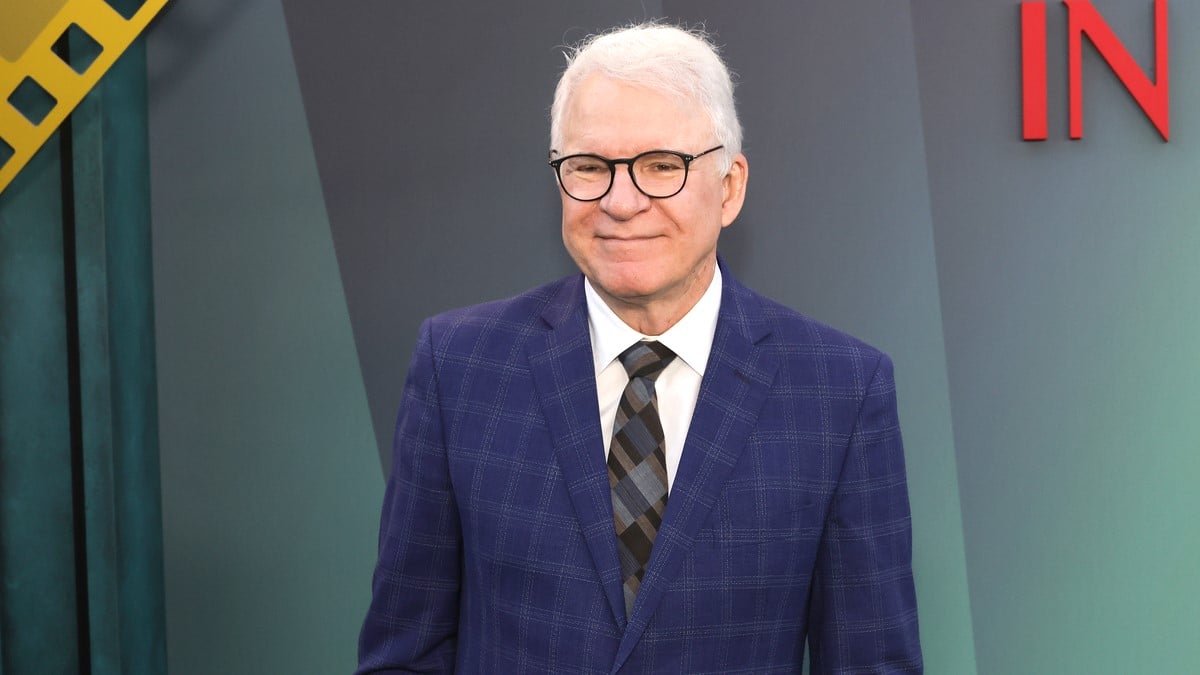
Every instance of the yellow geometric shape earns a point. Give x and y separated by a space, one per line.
21 23
39 62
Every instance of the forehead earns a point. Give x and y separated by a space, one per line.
614 117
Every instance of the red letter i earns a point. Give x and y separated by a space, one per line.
1033 69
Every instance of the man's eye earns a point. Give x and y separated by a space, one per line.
660 164
584 166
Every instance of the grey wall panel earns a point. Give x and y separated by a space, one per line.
431 125
828 96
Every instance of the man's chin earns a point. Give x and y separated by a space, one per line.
636 290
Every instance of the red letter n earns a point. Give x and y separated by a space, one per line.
1152 97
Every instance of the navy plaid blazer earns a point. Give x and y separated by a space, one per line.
788 518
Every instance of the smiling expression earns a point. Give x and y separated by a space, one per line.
646 255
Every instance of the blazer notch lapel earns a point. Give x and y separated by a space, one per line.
565 382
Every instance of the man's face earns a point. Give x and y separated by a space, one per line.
640 252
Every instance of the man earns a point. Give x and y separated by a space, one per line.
646 468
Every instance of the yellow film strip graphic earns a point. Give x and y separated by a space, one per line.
42 73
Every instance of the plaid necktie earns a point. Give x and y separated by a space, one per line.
637 467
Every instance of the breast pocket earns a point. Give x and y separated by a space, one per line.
755 516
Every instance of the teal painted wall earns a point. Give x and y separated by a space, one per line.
271 487
1069 284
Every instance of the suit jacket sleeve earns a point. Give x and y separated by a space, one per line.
863 612
412 623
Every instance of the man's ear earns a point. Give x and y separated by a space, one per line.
734 189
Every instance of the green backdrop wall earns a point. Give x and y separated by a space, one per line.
1038 298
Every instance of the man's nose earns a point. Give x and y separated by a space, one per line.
624 200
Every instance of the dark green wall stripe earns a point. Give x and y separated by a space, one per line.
74 411
37 557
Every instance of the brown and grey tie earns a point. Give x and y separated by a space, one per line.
637 470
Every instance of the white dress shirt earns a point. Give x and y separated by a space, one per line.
679 384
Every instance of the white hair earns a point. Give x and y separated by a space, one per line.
681 63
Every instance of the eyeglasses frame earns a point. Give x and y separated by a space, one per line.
628 162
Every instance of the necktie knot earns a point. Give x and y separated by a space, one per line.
646 359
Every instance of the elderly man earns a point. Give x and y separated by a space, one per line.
645 468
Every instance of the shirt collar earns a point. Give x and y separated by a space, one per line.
690 338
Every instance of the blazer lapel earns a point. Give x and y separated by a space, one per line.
736 381
565 379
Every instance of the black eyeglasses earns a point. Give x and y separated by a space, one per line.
656 173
